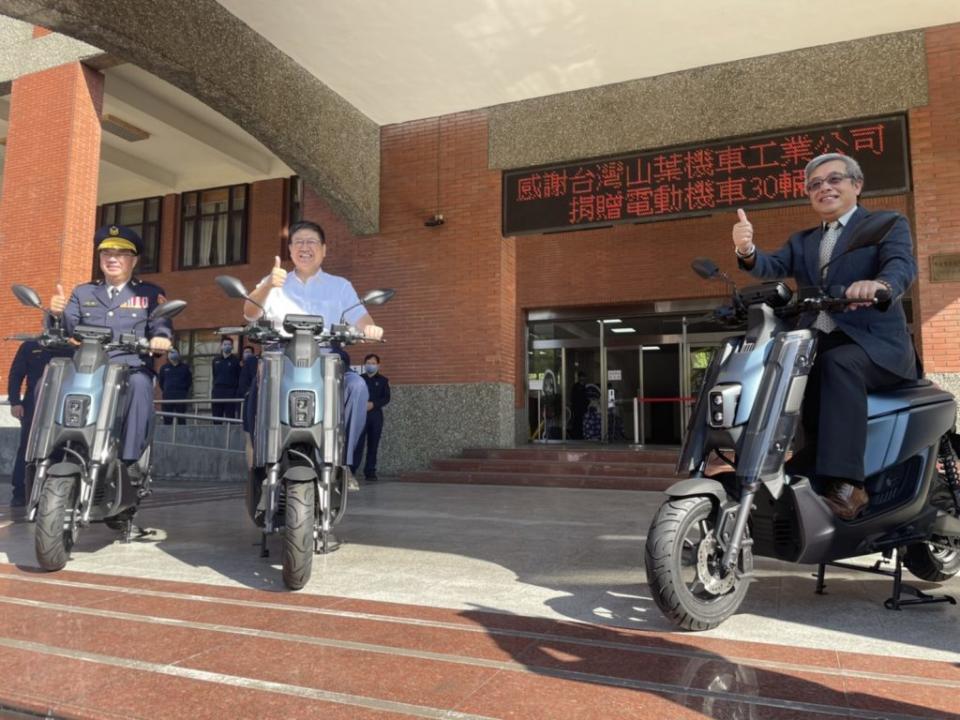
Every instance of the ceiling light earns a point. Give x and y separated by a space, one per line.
612 321
623 330
651 347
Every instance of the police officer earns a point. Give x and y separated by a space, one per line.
226 380
122 302
379 388
175 381
28 364
248 371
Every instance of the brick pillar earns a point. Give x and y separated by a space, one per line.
49 199
935 151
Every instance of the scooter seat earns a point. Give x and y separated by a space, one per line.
909 394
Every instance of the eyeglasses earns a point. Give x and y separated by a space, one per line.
116 253
305 243
833 180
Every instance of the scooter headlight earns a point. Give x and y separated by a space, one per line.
75 410
303 408
723 405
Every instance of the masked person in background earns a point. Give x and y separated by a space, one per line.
378 388
175 380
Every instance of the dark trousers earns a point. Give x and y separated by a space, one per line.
225 410
174 409
138 423
19 464
835 405
370 440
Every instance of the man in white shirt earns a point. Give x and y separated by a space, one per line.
310 291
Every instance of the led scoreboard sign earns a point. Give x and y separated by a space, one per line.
699 179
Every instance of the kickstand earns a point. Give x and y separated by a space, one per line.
264 552
132 530
895 602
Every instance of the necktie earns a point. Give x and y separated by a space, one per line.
113 292
823 322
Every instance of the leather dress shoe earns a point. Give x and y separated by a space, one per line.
846 499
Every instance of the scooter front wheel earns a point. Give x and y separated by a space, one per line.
57 525
684 566
298 534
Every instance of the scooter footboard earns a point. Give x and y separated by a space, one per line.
776 411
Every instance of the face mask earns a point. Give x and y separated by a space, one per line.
174 357
247 355
227 349
371 369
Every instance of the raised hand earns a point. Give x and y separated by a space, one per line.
278 276
743 234
59 301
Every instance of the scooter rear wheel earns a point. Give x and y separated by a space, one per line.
298 534
57 528
683 563
931 563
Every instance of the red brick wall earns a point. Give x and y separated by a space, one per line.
453 319
935 151
48 205
208 306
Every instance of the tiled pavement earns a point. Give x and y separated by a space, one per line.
445 601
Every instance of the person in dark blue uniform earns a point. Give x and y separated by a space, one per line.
248 371
175 380
28 365
226 380
123 303
379 388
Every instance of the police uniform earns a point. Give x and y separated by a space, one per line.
226 379
125 312
379 389
247 374
175 382
28 364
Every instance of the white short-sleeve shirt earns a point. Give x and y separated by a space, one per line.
322 294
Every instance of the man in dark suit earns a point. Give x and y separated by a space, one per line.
858 351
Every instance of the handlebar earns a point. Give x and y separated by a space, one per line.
264 334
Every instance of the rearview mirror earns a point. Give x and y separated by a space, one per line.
378 297
232 287
705 268
27 296
872 230
168 309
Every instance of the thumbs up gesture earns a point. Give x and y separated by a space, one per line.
743 235
278 276
59 301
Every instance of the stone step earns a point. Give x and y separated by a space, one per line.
575 455
539 466
592 482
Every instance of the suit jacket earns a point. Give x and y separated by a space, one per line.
882 334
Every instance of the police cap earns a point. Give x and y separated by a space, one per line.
117 237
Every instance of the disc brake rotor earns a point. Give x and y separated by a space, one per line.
709 561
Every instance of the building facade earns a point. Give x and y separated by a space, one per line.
487 331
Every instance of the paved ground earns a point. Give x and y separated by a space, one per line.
445 599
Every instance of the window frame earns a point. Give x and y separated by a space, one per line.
197 218
142 267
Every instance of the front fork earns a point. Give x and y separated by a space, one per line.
736 538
